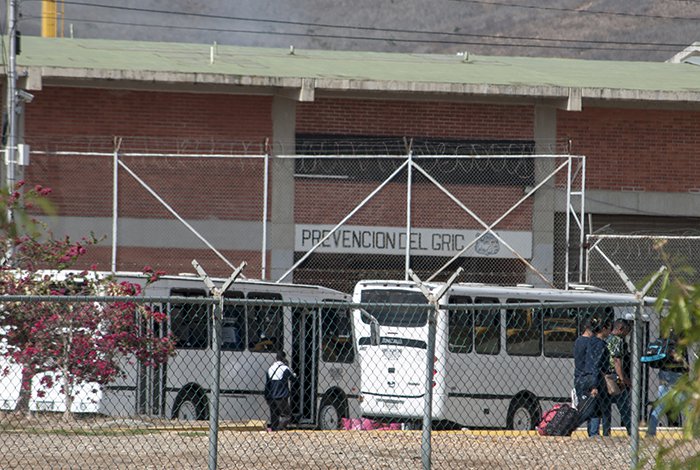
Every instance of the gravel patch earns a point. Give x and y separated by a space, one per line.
138 444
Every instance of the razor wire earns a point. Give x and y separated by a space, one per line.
638 255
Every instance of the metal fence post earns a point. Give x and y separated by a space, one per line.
266 183
115 202
218 312
217 319
433 300
409 186
636 385
426 447
637 365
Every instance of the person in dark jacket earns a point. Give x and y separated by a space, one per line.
591 363
277 392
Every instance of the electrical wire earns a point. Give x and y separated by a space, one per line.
578 11
479 2
385 30
596 44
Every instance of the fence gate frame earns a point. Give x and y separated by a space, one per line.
574 205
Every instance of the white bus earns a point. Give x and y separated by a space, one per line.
318 341
494 368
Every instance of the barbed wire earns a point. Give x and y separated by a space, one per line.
608 232
319 147
419 146
637 255
107 144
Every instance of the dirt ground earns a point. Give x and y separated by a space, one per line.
144 445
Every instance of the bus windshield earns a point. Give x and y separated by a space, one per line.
403 316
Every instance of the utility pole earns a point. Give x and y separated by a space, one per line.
11 143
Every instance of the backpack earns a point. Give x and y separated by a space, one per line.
658 353
561 420
267 393
268 388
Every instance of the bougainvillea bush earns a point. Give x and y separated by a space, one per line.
76 339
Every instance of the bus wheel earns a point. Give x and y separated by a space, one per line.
190 405
523 413
329 415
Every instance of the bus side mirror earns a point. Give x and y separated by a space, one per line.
374 337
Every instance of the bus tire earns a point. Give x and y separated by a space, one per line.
191 404
523 413
330 413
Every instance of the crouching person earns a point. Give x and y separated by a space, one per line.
277 392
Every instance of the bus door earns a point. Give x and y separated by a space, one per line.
150 380
305 337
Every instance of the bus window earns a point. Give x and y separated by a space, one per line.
461 326
336 335
233 324
487 328
189 322
265 324
397 317
523 330
560 331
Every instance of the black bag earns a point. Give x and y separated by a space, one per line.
268 389
587 408
563 422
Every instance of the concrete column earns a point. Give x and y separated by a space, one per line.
544 203
281 228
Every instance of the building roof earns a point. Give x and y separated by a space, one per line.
307 73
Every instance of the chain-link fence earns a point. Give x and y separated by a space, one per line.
192 392
612 258
326 211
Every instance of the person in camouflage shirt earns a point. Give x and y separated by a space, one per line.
620 364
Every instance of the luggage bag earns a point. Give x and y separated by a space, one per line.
561 420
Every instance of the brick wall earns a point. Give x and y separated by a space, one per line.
88 119
415 119
315 204
431 208
639 150
172 261
93 112
647 150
